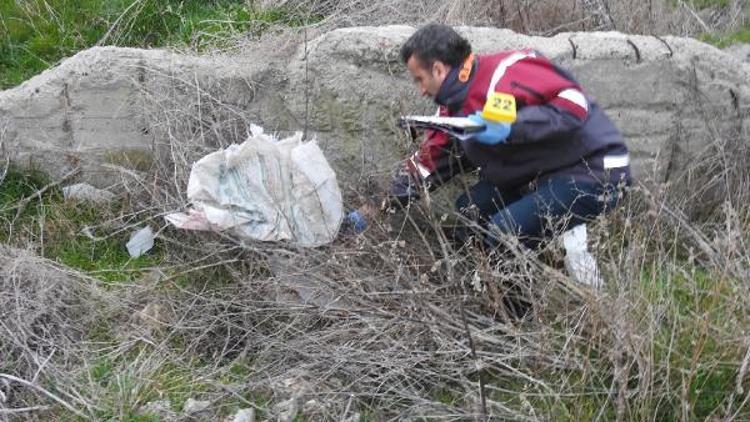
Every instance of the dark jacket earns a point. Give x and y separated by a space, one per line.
558 131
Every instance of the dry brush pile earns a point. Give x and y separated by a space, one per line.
397 323
541 17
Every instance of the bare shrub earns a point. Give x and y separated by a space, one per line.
412 322
46 313
543 17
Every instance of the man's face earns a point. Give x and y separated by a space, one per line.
427 79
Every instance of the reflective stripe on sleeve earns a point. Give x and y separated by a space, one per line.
503 66
575 96
616 161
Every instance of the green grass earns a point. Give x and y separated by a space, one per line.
702 4
124 392
694 353
125 384
722 41
57 225
35 34
106 259
15 186
700 303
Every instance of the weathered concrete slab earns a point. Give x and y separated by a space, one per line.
108 107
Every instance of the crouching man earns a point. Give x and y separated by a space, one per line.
560 163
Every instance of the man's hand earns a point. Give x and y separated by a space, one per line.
494 132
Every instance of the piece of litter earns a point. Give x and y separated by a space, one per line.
354 223
265 189
140 242
244 415
195 406
579 262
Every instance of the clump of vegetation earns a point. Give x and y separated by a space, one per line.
725 40
66 231
35 34
541 17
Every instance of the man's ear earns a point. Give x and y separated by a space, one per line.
440 70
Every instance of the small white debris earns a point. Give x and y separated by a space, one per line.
160 408
356 417
140 242
244 415
287 410
476 282
193 406
579 262
86 193
311 407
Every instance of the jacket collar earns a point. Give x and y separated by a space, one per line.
452 92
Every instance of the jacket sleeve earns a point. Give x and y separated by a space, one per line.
438 159
557 118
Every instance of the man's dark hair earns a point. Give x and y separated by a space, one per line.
436 42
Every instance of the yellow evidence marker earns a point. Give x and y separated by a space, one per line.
500 107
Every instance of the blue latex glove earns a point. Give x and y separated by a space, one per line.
494 132
354 223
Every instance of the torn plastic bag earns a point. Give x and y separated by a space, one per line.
265 189
140 242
